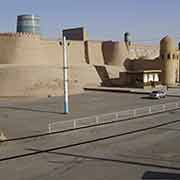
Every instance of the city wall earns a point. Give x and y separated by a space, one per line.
32 66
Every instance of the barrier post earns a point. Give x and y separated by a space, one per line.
74 124
49 128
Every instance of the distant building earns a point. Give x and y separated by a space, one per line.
27 23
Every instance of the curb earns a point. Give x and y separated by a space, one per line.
124 91
115 90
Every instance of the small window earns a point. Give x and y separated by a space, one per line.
162 56
169 56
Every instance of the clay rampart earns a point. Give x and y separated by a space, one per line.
137 51
30 49
39 80
30 65
94 52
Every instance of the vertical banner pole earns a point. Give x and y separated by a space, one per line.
65 74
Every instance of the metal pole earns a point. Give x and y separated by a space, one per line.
65 74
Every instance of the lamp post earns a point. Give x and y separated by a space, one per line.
65 76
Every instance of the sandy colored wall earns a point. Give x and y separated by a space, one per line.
139 51
94 53
76 53
28 49
23 80
111 75
23 48
170 67
20 48
115 53
32 66
53 52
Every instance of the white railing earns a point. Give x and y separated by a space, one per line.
110 117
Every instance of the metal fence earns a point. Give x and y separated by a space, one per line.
111 117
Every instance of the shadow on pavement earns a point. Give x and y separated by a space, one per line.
146 97
29 109
106 159
160 175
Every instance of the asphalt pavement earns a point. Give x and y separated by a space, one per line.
140 149
28 116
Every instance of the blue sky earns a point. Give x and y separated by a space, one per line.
104 19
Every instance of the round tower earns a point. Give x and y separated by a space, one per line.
169 61
28 24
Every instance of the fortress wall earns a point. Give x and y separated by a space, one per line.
118 78
23 80
111 75
76 53
24 48
7 50
137 51
29 49
115 53
53 52
146 64
94 53
20 48
31 66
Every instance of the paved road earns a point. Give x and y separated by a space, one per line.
136 155
22 117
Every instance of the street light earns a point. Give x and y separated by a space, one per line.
65 75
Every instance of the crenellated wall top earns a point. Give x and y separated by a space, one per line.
26 36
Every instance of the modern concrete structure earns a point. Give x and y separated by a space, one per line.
28 24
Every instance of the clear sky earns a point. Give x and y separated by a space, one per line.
104 19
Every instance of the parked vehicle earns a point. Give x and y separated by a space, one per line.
158 94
